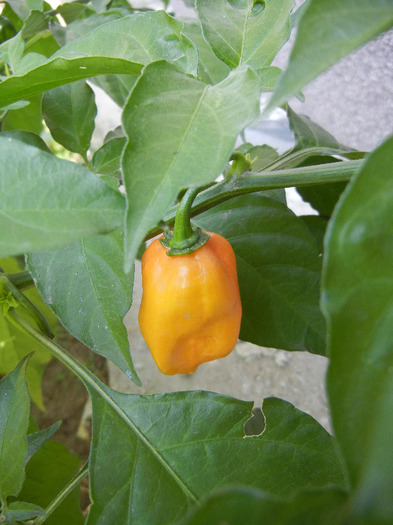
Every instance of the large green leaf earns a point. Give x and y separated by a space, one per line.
69 112
179 447
233 506
181 132
327 32
245 31
47 473
14 420
358 302
85 285
121 46
279 269
47 202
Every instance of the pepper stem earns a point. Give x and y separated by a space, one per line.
185 239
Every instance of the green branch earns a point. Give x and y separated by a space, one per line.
250 182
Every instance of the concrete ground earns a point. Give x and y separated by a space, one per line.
354 101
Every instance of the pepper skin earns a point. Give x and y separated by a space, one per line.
191 310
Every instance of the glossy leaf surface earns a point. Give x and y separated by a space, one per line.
182 446
358 302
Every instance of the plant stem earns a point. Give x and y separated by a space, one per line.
250 182
183 234
75 481
21 280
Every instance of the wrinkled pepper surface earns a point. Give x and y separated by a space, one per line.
191 309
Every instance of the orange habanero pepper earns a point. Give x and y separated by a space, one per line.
191 310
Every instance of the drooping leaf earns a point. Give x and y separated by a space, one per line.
193 127
358 304
279 269
23 8
69 112
123 46
85 285
245 31
14 420
327 31
47 473
182 446
47 202
309 507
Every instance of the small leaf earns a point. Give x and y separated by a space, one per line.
28 118
279 269
106 160
20 511
37 439
86 287
14 420
69 112
193 127
182 446
121 46
47 202
246 31
328 31
358 303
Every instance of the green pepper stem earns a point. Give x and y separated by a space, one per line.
184 236
185 239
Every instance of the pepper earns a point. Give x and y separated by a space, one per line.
191 310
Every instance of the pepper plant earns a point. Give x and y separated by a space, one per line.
74 217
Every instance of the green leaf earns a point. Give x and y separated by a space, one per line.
182 446
28 118
210 69
69 112
245 31
121 46
308 133
230 506
47 473
46 202
14 420
86 287
193 127
317 226
358 304
327 32
27 137
20 510
279 269
23 8
37 439
106 160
